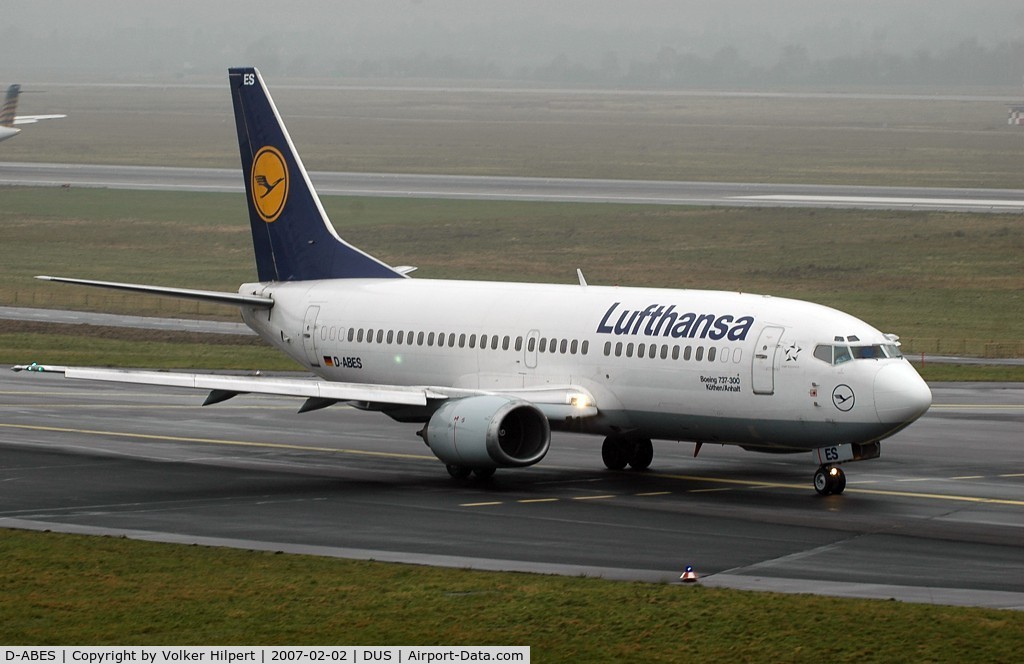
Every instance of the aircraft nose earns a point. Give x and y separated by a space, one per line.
901 395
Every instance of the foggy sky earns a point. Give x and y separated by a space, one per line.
57 40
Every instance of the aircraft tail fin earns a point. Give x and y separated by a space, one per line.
292 237
10 107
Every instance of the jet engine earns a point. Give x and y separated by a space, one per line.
488 432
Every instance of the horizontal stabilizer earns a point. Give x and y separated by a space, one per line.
32 119
236 299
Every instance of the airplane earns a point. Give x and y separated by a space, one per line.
8 118
489 369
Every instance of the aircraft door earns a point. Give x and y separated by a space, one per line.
309 335
763 369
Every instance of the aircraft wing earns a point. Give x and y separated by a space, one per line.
32 119
556 402
225 386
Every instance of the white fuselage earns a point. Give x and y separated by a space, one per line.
669 364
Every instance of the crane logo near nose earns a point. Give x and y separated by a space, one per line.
843 398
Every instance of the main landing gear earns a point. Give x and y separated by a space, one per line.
617 452
829 479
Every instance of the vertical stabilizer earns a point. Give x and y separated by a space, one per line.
292 236
10 106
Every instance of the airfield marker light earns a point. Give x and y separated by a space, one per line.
688 575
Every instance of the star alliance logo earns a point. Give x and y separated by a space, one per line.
269 184
792 352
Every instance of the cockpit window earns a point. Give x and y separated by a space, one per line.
839 353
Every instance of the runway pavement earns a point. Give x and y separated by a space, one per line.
529 188
938 518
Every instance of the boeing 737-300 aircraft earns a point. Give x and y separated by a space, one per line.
490 369
8 118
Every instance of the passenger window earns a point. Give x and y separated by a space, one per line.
687 353
401 337
564 346
462 341
543 344
640 350
419 339
430 339
586 347
531 344
675 352
359 337
351 333
711 354
380 336
700 353
618 349
519 343
472 341
505 342
629 350
494 342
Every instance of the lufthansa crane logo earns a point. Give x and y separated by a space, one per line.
843 398
269 184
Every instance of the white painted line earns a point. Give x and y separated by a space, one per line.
887 200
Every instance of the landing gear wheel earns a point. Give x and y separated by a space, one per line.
829 480
483 473
458 472
615 453
839 481
643 454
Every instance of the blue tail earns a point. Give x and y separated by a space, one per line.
292 236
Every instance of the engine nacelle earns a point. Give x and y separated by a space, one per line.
488 432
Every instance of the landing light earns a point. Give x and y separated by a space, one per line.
579 401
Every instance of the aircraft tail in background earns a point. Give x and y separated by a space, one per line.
10 107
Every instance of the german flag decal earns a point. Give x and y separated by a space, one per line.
269 184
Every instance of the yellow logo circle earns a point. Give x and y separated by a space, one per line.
269 184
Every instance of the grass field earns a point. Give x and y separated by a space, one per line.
558 133
63 589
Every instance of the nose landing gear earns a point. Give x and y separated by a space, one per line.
829 479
